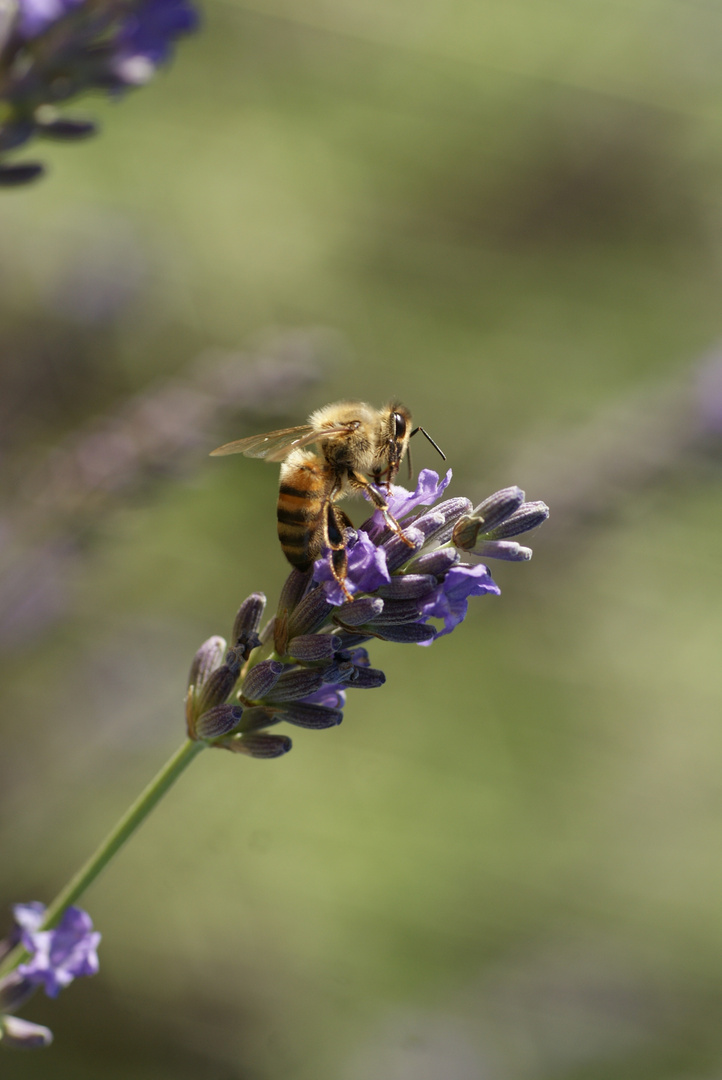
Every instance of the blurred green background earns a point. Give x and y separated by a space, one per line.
506 862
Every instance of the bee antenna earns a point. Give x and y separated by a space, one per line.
424 432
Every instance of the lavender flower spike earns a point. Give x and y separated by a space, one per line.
299 669
56 956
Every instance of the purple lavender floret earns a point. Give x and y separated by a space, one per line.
446 596
449 601
148 34
35 16
60 955
367 570
429 489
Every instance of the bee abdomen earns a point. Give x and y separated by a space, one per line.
299 510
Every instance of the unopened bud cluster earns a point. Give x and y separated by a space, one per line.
298 668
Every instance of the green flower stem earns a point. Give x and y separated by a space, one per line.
133 817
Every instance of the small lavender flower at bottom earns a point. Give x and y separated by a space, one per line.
60 955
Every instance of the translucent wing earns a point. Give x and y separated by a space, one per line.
277 445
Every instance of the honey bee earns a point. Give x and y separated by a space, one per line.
356 442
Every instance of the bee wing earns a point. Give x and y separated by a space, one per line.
277 445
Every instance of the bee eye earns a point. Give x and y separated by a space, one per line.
399 426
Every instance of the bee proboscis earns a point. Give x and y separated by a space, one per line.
356 441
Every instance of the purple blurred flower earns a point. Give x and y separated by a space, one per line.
60 955
146 37
35 16
61 49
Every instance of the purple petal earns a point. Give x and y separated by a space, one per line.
401 502
34 16
29 916
332 697
149 32
449 600
60 955
366 570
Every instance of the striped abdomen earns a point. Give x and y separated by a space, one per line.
301 500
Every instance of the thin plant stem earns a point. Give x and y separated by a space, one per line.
123 830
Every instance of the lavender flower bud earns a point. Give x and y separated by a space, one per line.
15 176
218 721
367 678
309 615
293 590
206 661
66 129
309 648
22 1035
248 619
407 586
233 660
508 550
357 612
295 684
527 517
398 552
306 715
406 633
350 640
398 611
258 744
217 687
437 562
261 678
498 507
438 524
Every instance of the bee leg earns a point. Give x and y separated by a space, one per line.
360 483
335 524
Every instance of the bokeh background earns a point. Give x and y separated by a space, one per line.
507 861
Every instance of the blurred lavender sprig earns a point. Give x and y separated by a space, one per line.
300 666
55 957
52 51
99 467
